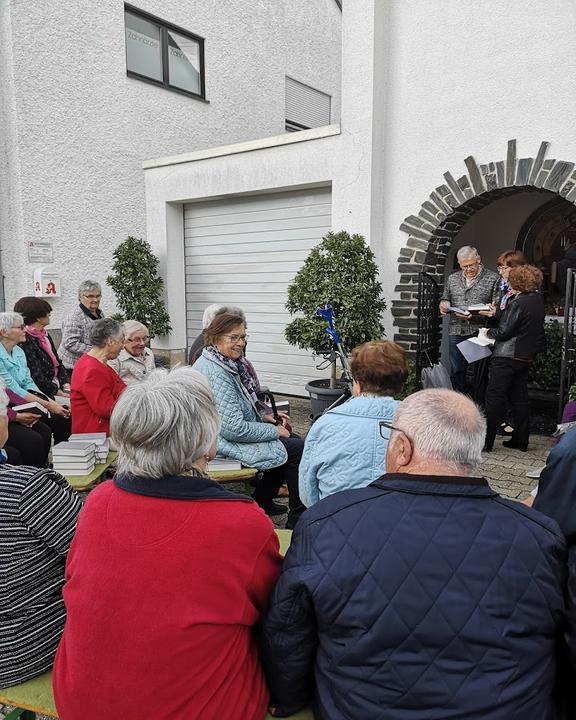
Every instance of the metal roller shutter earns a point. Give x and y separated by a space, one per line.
245 251
305 106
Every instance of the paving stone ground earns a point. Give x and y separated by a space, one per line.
504 469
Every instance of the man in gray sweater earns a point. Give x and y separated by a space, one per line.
473 284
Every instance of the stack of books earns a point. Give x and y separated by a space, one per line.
100 440
222 463
74 458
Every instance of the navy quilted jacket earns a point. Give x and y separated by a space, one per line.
418 598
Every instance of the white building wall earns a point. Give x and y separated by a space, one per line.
462 79
79 128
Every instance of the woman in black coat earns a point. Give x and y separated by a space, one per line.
43 362
519 338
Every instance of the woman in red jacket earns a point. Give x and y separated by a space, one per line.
168 572
95 387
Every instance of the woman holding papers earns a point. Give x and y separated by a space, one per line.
168 574
15 372
519 337
95 387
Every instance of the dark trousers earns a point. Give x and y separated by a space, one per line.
458 364
28 445
508 383
286 474
61 427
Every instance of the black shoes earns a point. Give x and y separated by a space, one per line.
513 445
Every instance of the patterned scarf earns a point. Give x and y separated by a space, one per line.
42 336
506 294
249 382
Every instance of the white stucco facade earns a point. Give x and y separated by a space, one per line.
76 129
424 86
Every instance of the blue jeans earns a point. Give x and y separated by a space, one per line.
458 364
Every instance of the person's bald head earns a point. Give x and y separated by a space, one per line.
439 429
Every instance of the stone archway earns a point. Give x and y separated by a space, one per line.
432 230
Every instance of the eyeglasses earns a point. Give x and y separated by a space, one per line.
470 266
92 297
389 426
143 340
18 327
235 338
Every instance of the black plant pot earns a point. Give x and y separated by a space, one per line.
322 395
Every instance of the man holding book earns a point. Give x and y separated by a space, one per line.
466 292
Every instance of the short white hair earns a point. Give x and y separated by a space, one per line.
10 319
444 426
164 424
88 285
467 251
132 326
213 310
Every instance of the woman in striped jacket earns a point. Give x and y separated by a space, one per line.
38 514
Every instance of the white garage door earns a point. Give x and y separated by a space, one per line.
245 251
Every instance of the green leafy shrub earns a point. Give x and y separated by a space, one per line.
545 371
137 287
341 270
410 384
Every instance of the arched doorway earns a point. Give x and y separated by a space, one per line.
449 207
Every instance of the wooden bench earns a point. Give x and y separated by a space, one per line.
83 483
35 696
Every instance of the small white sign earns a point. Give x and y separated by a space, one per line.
40 251
46 283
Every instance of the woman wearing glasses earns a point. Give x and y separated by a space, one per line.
136 360
246 433
346 447
77 325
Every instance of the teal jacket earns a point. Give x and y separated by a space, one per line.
15 373
344 448
243 434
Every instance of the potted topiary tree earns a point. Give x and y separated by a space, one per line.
341 270
137 287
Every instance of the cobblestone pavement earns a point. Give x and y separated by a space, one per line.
504 469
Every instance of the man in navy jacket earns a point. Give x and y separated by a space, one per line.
424 595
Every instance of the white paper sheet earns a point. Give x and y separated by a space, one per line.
472 351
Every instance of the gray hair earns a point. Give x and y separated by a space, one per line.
214 310
88 285
164 424
466 251
105 329
444 426
132 326
9 319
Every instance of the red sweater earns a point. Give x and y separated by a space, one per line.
162 596
94 389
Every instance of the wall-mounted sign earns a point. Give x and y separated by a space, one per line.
46 283
40 251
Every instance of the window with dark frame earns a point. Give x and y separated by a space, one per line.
163 54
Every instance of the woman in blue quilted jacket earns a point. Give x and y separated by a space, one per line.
344 448
247 431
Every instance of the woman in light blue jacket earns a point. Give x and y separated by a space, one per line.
345 448
247 432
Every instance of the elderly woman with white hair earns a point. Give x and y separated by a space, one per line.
136 360
76 326
168 573
95 387
15 373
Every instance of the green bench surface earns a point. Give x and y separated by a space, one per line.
36 694
85 482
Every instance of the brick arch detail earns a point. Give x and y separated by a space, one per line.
449 207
